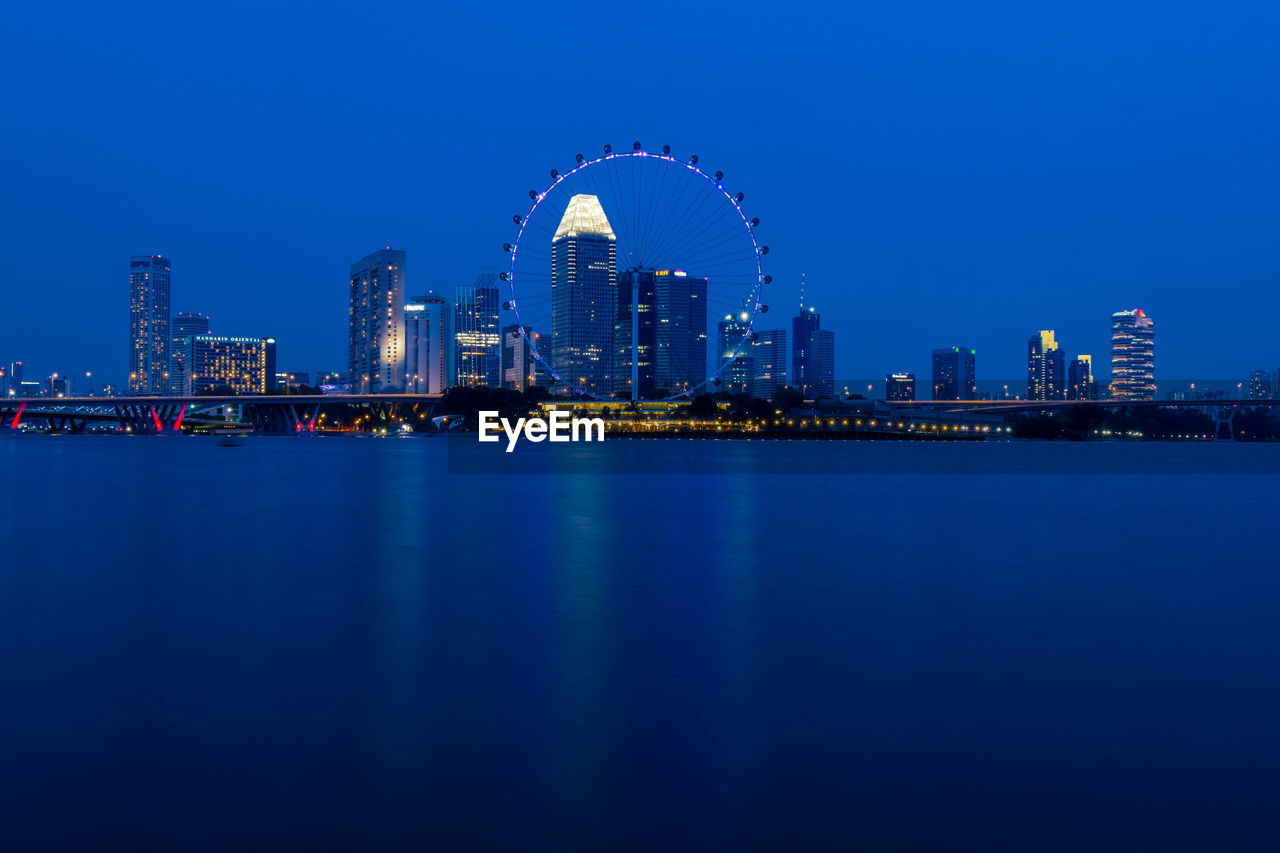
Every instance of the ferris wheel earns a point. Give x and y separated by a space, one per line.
636 275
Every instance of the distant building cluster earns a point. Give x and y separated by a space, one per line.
633 334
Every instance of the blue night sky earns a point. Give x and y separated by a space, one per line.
962 174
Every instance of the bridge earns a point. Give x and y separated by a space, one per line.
1223 411
267 414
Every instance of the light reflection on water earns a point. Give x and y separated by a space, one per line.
329 642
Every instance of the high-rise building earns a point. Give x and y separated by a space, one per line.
821 381
428 341
182 327
803 326
768 363
900 387
4 381
519 367
375 327
242 365
1080 384
477 339
735 352
1045 367
955 373
1260 387
13 383
1133 356
584 299
149 335
670 324
680 355
638 286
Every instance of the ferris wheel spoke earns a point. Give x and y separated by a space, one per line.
672 207
620 240
683 215
656 192
689 259
621 206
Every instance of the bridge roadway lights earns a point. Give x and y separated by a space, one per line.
266 415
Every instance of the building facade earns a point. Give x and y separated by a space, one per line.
375 335
735 349
183 326
635 381
955 373
1080 384
680 355
768 363
519 367
477 338
150 341
428 340
241 365
1046 367
584 299
1260 385
900 386
803 327
1133 355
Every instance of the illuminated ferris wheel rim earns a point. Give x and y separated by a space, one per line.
752 305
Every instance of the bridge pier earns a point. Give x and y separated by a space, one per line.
1224 423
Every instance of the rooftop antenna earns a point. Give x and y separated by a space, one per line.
801 293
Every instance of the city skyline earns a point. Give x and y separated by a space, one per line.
1143 180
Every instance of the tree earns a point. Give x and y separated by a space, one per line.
704 407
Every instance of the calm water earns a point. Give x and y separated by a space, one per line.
334 644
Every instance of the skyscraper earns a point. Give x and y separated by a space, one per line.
477 340
955 373
813 353
680 337
149 335
375 336
670 324
519 368
768 363
1133 356
1080 384
183 326
1045 367
640 286
821 379
803 325
584 299
736 375
428 342
900 387
14 381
